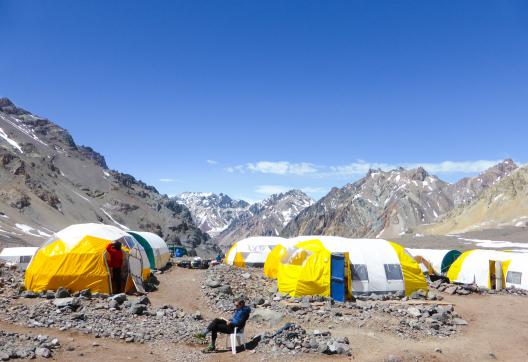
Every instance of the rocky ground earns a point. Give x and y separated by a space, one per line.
417 317
91 327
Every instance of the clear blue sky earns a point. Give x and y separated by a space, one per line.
327 88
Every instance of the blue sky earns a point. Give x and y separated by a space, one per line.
250 97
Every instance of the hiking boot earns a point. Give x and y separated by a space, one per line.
210 348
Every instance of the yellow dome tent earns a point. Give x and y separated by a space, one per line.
302 266
75 258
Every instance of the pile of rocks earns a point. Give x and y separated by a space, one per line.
293 339
111 317
223 283
10 280
377 312
26 346
466 289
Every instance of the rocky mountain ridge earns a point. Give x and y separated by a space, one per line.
49 182
391 203
232 220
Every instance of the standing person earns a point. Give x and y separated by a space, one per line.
240 316
115 262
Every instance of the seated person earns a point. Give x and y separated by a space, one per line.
238 320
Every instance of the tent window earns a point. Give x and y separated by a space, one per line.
513 277
359 271
393 271
25 259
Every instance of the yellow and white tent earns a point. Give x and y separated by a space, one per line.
433 261
75 258
480 267
377 266
251 251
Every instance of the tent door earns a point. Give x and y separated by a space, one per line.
135 267
339 277
495 275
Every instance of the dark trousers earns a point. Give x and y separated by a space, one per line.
116 279
219 325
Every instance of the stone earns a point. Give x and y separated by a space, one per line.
266 315
86 293
28 294
419 294
119 298
451 290
62 293
4 356
71 302
43 352
212 283
246 275
197 315
436 283
225 289
113 304
462 291
143 300
138 309
414 312
459 322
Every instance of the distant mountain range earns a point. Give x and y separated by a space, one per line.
392 203
228 220
504 203
48 182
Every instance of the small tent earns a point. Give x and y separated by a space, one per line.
76 258
434 262
251 251
485 268
155 247
376 266
19 256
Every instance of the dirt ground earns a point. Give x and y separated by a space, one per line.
497 330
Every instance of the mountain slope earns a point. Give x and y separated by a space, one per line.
212 213
389 204
49 182
504 203
265 218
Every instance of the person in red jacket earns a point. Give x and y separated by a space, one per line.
115 263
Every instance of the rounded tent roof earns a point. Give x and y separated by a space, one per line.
155 241
252 251
73 234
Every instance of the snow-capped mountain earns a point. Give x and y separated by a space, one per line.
390 203
48 182
267 217
211 212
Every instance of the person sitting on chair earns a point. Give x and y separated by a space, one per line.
221 325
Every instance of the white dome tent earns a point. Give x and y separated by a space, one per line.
19 256
252 251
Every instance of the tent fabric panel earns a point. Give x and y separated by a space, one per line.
412 274
448 260
83 267
146 246
312 277
238 261
271 266
455 268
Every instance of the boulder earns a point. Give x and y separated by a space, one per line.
414 312
451 290
62 293
71 302
119 298
212 283
143 300
138 309
266 315
43 352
